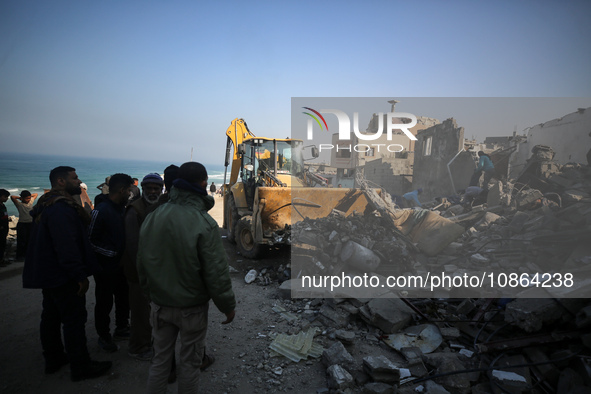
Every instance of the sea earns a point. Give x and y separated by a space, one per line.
19 171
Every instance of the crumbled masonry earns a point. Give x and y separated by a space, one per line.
449 342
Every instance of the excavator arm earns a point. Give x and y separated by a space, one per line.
236 133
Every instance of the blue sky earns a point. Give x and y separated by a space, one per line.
151 79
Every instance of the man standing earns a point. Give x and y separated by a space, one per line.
107 237
59 261
134 192
4 194
182 265
24 205
140 339
212 189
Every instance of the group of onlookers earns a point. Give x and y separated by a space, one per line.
156 257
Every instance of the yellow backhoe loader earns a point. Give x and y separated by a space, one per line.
274 190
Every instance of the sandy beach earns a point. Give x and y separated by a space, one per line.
217 212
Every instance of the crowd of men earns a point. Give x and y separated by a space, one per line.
156 257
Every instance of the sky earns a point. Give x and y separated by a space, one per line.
153 79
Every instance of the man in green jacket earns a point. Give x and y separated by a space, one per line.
181 266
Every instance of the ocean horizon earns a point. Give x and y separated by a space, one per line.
27 171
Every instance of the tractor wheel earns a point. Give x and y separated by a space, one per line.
232 219
245 239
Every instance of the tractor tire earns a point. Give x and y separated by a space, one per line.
232 218
245 239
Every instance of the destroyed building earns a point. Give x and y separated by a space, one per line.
532 339
390 169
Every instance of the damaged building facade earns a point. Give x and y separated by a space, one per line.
569 137
523 337
441 161
392 169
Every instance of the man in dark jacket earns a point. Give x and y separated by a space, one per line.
59 261
181 266
140 339
107 237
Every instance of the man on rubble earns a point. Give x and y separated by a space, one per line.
181 266
412 198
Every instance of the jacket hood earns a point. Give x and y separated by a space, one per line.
186 197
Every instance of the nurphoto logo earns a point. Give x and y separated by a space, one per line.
393 122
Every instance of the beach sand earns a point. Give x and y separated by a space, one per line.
217 212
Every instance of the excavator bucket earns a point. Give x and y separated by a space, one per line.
280 206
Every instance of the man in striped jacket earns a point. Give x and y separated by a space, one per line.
107 237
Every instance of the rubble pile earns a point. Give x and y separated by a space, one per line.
361 242
526 338
445 346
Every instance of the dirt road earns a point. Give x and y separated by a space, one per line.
241 349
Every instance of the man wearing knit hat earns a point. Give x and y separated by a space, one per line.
181 265
140 339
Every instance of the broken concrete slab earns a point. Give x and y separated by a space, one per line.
337 354
360 257
426 337
387 314
339 378
465 307
530 314
330 317
449 362
526 198
381 369
345 336
488 219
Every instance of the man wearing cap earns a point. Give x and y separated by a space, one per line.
140 339
24 204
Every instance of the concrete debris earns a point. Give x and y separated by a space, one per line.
542 225
531 314
434 388
337 354
278 371
425 337
333 317
505 375
449 332
347 337
339 378
360 257
381 369
250 276
448 363
526 198
378 388
387 314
